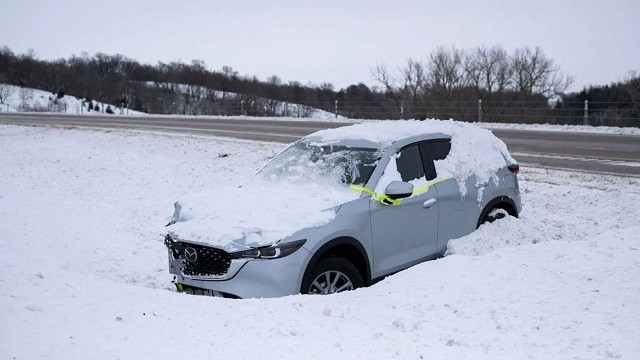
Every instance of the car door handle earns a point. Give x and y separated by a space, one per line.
429 203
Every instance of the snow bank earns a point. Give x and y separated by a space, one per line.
23 99
83 256
565 128
576 210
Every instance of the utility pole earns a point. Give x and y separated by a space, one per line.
479 110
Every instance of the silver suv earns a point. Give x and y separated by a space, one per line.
412 187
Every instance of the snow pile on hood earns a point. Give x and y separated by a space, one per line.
258 214
474 150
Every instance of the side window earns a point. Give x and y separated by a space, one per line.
433 151
409 163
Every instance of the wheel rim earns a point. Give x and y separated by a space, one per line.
330 282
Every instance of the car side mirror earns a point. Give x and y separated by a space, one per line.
398 190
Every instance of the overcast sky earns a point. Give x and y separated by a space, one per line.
328 41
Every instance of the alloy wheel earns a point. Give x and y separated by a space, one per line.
330 282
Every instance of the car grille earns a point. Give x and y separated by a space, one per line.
210 261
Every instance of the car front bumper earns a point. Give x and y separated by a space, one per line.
249 278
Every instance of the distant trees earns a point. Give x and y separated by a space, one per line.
450 82
522 86
616 104
484 69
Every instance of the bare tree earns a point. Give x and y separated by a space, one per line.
488 69
632 88
494 62
445 68
5 92
533 72
26 98
472 66
414 79
390 83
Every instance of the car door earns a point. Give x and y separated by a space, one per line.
457 213
404 234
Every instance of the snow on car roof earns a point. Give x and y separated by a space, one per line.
474 150
388 131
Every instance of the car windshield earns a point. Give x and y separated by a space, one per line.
328 164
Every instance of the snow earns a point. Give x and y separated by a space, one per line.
85 271
24 99
462 162
235 219
279 108
565 128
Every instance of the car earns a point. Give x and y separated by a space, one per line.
341 209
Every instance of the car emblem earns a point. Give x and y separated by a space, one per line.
191 254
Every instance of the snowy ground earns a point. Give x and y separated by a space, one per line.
85 272
281 108
568 128
23 99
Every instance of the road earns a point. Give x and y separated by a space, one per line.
598 153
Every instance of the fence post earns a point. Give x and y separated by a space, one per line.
586 112
479 110
401 110
241 107
335 108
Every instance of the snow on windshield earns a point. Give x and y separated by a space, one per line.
329 165
298 189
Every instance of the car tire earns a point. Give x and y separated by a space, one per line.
331 275
495 214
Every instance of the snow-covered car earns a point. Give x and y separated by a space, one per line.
341 209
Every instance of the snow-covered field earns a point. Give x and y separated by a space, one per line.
23 99
85 271
279 108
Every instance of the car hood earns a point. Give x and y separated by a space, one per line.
257 214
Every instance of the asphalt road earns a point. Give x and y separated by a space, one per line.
599 153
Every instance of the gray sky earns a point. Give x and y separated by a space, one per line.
336 41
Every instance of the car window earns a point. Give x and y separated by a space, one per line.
409 163
329 164
433 151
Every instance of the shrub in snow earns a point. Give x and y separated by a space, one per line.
26 97
109 110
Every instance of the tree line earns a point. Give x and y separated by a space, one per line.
484 83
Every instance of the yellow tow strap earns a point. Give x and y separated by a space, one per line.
385 199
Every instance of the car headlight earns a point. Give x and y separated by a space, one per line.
271 252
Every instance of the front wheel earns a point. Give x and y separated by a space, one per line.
332 275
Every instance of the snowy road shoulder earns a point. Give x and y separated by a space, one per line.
85 269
